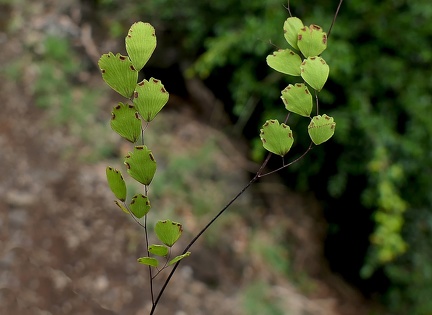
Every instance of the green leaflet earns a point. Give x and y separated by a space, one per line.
291 29
140 43
116 183
149 261
119 73
149 98
315 71
178 258
276 138
297 99
321 128
140 205
312 40
168 232
159 250
141 164
285 61
126 122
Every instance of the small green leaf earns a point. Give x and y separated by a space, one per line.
149 98
126 122
276 138
149 261
140 205
140 43
321 128
141 164
159 250
285 61
312 40
123 208
168 231
291 28
116 183
178 258
315 71
297 99
119 73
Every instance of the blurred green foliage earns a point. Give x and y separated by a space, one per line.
257 300
379 93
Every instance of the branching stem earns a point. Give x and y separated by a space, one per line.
288 8
259 174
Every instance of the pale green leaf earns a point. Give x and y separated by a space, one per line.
149 261
149 98
178 258
126 122
119 73
141 164
291 29
315 71
276 138
321 128
297 99
140 43
285 61
140 205
116 183
168 232
312 40
159 250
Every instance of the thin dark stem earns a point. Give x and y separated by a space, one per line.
287 117
290 163
288 8
143 129
148 254
317 103
257 176
334 18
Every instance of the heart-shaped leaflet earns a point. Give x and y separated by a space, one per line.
315 71
140 205
119 73
149 98
321 128
312 40
276 138
126 122
141 164
297 99
168 232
